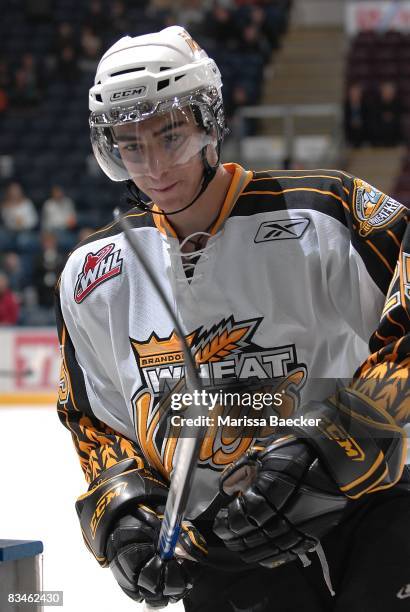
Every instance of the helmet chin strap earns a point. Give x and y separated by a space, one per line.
135 199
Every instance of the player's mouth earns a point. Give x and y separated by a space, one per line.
164 189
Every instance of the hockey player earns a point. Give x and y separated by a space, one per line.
275 276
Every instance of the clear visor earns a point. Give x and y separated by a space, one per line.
159 141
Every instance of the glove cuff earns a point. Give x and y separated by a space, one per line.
110 497
359 444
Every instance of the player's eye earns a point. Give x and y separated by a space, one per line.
133 151
131 147
173 141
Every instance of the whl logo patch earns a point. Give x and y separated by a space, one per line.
282 229
98 267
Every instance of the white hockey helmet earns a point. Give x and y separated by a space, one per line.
154 74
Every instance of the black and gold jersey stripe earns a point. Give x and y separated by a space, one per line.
323 191
98 446
330 193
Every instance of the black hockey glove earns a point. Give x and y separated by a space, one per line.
120 521
285 505
346 447
141 573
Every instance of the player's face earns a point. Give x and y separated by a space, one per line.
163 157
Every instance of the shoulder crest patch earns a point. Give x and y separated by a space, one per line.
372 209
97 268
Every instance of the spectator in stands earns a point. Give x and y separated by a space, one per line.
257 15
119 24
9 306
58 212
96 18
47 267
4 101
4 85
67 63
17 210
90 49
23 94
253 40
270 26
219 26
238 97
12 266
65 37
386 116
33 73
356 116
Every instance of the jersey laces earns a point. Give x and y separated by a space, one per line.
189 260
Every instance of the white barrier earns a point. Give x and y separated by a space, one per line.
21 575
29 365
377 16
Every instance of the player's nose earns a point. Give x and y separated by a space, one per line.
156 164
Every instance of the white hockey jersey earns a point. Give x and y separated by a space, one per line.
302 268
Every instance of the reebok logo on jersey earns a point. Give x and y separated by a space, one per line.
282 229
98 267
404 592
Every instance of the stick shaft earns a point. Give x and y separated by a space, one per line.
188 447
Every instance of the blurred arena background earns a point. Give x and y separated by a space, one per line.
307 83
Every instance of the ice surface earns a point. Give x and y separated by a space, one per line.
40 478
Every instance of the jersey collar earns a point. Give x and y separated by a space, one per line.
240 179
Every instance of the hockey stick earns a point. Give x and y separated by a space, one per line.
188 446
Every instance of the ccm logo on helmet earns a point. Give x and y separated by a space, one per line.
128 93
